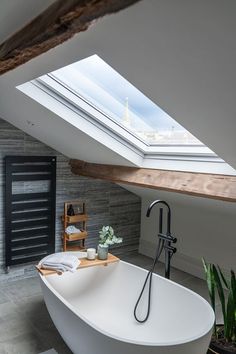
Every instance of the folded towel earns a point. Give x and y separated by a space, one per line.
72 230
60 262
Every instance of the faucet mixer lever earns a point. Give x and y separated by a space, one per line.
167 237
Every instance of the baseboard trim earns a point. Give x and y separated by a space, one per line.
180 261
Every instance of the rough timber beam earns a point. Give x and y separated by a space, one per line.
197 184
59 22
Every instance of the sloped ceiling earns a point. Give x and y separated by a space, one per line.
182 199
180 53
15 14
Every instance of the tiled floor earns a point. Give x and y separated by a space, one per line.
25 325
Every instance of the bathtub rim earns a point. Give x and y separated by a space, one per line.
204 332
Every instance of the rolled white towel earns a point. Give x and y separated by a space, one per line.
60 262
72 230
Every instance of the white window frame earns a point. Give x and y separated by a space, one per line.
51 82
77 111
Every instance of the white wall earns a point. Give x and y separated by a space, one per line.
204 228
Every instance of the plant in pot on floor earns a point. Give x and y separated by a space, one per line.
224 335
107 238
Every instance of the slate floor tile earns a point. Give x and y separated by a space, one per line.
3 297
21 289
27 343
13 326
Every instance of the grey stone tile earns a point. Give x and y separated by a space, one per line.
6 278
3 297
7 309
34 310
28 343
2 350
23 288
54 340
139 260
30 303
13 325
179 275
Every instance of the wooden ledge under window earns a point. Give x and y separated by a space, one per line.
213 186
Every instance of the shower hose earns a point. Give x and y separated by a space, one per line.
148 277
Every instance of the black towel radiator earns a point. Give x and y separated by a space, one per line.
29 208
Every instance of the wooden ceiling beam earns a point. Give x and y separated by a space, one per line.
205 185
59 22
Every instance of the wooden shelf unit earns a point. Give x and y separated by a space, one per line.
80 221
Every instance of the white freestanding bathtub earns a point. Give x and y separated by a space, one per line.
93 311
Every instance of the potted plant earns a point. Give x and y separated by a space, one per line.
224 335
106 239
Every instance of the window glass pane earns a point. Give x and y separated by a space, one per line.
107 90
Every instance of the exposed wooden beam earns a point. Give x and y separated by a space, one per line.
59 22
205 185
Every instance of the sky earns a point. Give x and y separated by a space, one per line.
104 87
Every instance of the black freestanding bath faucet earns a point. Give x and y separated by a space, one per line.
164 243
166 238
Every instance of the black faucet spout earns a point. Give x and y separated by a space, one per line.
167 239
163 202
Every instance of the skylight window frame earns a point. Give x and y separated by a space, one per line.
129 138
90 112
115 123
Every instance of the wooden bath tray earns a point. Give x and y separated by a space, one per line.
85 263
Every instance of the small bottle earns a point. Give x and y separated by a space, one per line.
70 211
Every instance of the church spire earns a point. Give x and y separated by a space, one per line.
126 116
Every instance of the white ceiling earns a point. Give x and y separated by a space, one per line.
180 53
14 14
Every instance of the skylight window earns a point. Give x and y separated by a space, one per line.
102 87
90 97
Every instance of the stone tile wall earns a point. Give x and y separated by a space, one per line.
107 203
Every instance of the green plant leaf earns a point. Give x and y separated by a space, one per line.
108 237
216 280
204 265
230 314
210 282
220 292
233 288
226 283
233 285
211 286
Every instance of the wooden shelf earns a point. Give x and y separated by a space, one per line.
76 236
85 263
79 220
75 218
